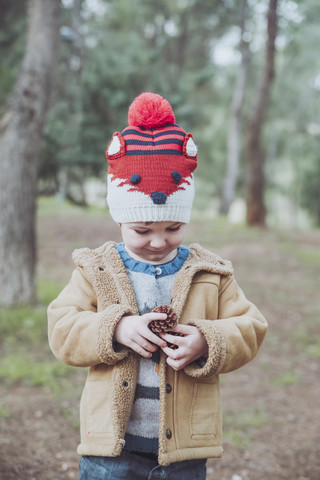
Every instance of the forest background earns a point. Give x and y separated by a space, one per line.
189 52
210 59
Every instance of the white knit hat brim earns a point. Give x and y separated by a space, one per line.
133 206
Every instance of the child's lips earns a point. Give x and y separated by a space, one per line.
162 250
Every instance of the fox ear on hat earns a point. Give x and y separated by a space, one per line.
189 148
116 147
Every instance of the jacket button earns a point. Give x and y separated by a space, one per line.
168 388
125 383
168 433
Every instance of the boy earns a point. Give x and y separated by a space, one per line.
149 410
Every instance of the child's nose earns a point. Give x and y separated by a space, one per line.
158 242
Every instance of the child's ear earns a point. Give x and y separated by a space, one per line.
116 147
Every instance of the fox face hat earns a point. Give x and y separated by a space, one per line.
151 164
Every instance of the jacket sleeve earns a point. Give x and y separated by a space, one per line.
78 334
235 337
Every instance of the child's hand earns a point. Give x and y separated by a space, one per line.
133 331
190 347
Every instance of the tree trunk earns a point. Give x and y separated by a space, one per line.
20 135
256 210
72 174
231 177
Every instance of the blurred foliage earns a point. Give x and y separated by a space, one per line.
187 52
294 135
13 23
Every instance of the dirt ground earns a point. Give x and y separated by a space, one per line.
271 406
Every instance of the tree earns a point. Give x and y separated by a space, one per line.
12 39
72 173
234 133
294 166
256 181
20 135
129 48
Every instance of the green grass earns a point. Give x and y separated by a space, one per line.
71 415
25 368
26 356
48 290
4 411
239 428
56 207
25 325
218 232
28 325
313 350
306 255
286 379
307 338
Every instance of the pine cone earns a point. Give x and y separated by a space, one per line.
167 325
163 326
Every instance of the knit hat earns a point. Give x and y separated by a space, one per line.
151 162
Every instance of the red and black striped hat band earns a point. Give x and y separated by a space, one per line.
166 141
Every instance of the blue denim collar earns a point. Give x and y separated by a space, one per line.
143 267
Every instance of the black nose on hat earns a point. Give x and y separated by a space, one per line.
159 198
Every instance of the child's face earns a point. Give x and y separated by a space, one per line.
153 242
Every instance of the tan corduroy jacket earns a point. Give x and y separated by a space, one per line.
81 324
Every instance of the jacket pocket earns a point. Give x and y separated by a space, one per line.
96 402
205 410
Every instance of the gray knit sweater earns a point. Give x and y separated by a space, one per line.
152 285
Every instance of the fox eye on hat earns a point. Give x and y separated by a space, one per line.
151 164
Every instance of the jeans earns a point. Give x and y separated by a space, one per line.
132 466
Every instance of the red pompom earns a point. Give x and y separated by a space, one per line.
150 110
